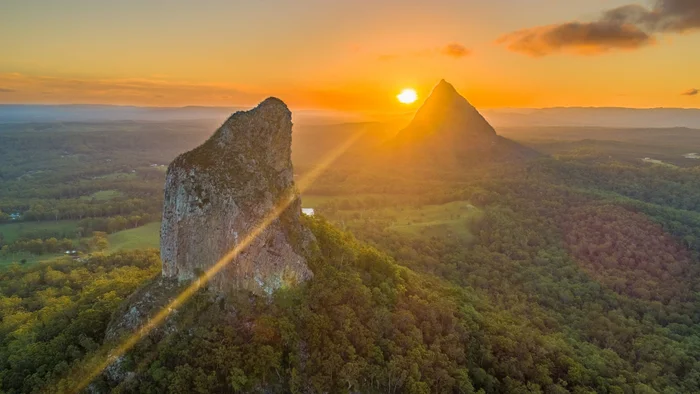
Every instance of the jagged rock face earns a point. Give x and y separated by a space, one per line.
219 192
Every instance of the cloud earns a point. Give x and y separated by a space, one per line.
691 92
35 88
453 50
169 92
456 50
582 38
630 26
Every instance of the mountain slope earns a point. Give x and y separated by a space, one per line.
448 129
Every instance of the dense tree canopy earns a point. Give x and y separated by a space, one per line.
573 273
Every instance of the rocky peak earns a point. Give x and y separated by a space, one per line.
447 133
217 193
450 116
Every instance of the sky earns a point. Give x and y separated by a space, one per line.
350 55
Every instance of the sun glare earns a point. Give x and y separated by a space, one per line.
407 96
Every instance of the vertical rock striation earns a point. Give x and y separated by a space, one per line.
217 193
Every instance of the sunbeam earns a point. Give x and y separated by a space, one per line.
160 317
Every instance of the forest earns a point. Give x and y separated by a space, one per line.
576 272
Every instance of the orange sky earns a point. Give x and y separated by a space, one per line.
344 55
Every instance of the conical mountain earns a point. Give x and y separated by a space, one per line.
448 128
447 116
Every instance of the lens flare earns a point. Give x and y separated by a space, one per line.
407 96
160 317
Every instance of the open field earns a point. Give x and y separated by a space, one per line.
27 257
119 176
104 195
147 236
436 220
60 229
313 201
428 220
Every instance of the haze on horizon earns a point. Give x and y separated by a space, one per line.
351 55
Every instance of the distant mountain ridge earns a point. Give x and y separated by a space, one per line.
28 113
595 117
498 117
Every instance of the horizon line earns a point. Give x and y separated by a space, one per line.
227 107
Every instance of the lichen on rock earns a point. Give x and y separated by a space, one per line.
217 193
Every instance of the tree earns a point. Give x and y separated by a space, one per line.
99 241
135 219
65 244
51 245
35 246
237 380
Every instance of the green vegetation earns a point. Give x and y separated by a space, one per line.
53 314
449 219
436 220
143 237
104 195
313 201
119 176
26 258
577 272
11 232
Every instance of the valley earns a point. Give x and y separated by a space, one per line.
575 271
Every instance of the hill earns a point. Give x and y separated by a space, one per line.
448 130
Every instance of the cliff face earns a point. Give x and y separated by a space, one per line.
217 193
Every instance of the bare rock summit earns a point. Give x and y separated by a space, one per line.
219 192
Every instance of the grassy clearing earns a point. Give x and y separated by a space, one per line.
451 219
104 195
436 220
657 162
118 176
6 261
143 237
443 220
13 231
313 200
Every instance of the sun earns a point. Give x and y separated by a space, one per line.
407 96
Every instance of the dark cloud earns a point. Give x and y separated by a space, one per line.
456 50
3 90
677 16
627 27
691 92
581 38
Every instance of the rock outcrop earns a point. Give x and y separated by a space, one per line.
447 118
447 129
219 192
